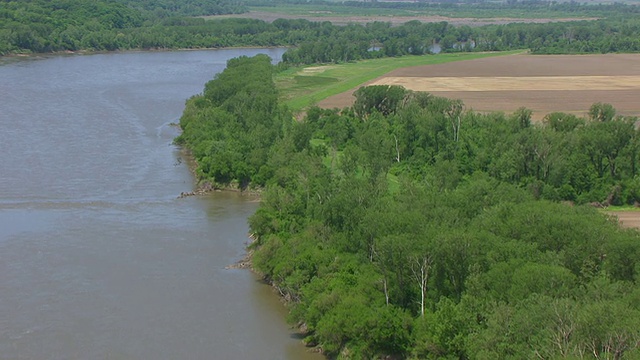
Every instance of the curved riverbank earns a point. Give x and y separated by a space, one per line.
99 255
21 56
205 186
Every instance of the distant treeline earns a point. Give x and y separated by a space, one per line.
356 42
59 25
71 25
170 8
408 226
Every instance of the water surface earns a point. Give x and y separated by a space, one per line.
99 259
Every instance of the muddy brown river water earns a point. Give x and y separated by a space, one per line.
99 259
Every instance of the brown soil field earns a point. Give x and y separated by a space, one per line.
395 20
541 83
627 219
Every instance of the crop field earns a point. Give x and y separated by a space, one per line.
305 86
345 15
543 84
627 218
342 18
342 14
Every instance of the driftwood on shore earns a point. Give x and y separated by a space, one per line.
193 193
245 262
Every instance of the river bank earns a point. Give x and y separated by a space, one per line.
99 258
206 186
21 56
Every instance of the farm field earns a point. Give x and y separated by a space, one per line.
393 16
301 87
627 218
542 83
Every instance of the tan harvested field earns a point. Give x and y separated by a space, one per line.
628 219
542 83
338 19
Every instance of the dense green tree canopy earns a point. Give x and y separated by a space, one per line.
232 125
70 25
167 8
58 25
408 226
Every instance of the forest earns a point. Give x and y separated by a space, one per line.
410 227
39 26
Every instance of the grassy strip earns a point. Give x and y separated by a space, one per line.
626 208
302 87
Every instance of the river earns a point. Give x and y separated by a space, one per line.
99 259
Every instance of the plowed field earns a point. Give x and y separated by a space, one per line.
629 219
544 84
341 19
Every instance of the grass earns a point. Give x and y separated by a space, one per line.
313 81
621 208
302 87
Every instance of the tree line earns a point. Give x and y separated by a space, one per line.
71 25
407 226
68 25
171 8
375 40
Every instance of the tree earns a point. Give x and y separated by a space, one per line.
601 112
453 113
523 117
421 267
563 122
384 99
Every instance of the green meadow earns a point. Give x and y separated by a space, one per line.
301 87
